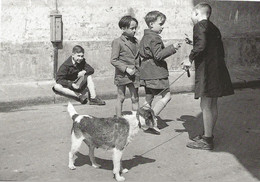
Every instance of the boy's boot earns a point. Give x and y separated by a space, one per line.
198 137
205 143
83 99
154 130
96 101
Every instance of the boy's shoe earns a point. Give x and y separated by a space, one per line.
205 143
153 130
199 137
196 138
157 130
83 99
53 89
96 101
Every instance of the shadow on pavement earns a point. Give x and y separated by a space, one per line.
162 123
193 125
108 164
13 108
237 130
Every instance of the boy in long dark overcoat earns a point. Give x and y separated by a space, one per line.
212 79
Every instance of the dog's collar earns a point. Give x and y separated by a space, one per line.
138 118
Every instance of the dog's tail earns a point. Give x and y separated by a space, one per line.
72 112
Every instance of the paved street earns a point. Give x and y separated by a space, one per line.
35 141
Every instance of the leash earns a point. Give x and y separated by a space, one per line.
160 144
139 124
188 74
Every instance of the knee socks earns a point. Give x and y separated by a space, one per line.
91 87
159 106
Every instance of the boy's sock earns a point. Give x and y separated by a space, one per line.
91 87
159 106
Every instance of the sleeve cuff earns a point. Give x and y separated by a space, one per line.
70 85
173 49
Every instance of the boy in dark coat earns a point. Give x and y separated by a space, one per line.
74 79
212 79
154 71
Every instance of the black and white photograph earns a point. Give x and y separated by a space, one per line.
130 90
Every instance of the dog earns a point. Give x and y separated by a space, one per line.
113 133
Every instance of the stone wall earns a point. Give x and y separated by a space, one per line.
27 53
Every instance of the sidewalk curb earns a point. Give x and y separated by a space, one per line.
246 84
112 95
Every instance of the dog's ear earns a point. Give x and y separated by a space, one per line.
149 117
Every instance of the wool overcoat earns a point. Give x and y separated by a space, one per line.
211 75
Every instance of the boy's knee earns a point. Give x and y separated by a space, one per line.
149 98
205 108
121 98
135 99
89 77
57 87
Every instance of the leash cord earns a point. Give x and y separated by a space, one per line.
161 144
170 84
160 94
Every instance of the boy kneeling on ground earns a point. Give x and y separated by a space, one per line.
74 80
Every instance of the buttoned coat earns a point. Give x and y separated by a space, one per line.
153 52
211 75
125 55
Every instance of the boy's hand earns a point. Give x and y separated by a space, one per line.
75 86
188 40
81 73
177 45
130 71
186 64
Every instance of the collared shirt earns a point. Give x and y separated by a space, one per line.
132 42
74 62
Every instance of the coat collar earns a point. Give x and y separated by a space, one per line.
71 62
127 43
150 32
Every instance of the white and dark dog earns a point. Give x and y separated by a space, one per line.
112 133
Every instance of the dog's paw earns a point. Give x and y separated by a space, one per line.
124 171
72 167
96 165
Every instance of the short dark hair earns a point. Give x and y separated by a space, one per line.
205 8
125 21
152 16
77 49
